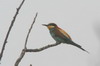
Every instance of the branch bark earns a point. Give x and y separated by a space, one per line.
9 30
20 57
30 30
23 52
42 48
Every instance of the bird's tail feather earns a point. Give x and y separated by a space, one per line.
79 47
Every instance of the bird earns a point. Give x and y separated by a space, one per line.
60 36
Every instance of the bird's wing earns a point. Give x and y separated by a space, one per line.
65 38
64 33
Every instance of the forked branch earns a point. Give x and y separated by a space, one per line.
23 52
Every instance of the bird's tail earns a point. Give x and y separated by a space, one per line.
79 47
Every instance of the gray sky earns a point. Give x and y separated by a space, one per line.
80 18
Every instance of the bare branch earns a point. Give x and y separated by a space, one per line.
42 48
20 57
33 50
23 52
9 30
30 30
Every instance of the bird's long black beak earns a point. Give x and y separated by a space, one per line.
44 25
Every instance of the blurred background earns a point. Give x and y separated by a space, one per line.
80 18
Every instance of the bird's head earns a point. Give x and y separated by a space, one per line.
50 25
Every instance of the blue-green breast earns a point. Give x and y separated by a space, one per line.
55 37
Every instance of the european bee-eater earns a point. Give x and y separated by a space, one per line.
60 36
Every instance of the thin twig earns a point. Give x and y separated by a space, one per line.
42 48
9 30
23 52
30 30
